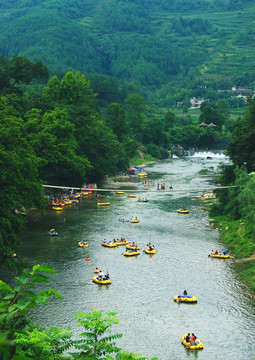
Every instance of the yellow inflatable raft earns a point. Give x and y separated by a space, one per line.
185 298
143 175
118 243
108 245
130 247
134 221
103 203
119 192
131 195
147 251
198 346
180 211
220 256
80 244
131 253
57 208
96 280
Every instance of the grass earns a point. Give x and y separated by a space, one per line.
236 235
137 160
248 274
204 172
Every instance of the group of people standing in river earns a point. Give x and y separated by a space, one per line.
162 186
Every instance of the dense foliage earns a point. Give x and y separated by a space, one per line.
168 50
241 150
234 213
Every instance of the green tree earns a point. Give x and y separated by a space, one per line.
135 105
115 118
106 87
23 71
210 115
130 356
223 108
100 145
21 338
246 199
95 140
169 119
74 89
21 186
52 137
40 344
19 70
241 148
188 136
97 339
153 132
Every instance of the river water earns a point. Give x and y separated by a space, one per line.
143 287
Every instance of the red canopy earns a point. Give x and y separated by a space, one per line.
132 169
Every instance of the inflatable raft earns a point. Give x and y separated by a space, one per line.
103 203
96 280
134 221
108 245
183 211
219 256
185 298
80 244
198 346
57 208
118 243
130 247
147 251
131 253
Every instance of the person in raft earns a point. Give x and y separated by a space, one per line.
192 340
181 296
106 277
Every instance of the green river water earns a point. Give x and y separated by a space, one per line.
143 287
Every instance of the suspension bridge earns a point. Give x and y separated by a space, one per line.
148 189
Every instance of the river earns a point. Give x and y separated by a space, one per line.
143 287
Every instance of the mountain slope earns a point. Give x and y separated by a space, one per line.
154 46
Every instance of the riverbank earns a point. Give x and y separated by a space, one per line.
236 235
123 179
142 160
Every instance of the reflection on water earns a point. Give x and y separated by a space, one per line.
143 287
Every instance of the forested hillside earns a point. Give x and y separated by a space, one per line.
167 50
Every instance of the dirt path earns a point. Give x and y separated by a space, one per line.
252 257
